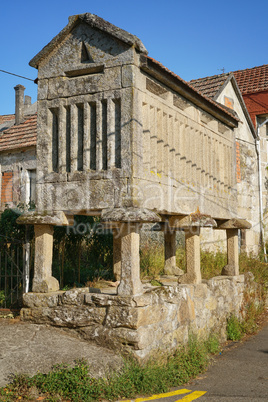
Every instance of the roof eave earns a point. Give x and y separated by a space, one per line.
243 105
184 89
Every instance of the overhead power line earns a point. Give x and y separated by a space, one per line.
16 75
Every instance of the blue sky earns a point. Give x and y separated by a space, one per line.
192 38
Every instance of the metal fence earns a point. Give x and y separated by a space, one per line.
14 278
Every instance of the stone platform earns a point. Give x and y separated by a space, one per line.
160 318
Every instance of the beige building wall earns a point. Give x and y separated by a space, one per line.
246 178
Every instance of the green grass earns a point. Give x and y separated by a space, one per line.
156 376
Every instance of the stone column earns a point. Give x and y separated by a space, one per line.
43 280
232 267
130 283
170 254
116 255
192 249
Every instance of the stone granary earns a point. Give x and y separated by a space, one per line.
122 137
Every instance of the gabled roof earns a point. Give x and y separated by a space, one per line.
159 71
210 86
20 136
214 85
252 79
95 22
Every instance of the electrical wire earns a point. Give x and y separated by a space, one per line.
16 75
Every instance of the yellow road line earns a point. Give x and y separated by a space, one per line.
194 395
150 398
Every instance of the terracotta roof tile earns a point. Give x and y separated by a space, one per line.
209 86
20 136
6 117
252 79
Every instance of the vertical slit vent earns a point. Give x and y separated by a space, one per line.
117 133
104 135
93 133
80 136
68 139
55 140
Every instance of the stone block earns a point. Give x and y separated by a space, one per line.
200 291
186 312
211 304
74 297
33 300
49 284
72 317
133 317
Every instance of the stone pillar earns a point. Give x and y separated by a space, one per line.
116 255
170 254
130 283
43 280
232 267
192 249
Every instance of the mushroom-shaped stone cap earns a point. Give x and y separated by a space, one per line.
131 214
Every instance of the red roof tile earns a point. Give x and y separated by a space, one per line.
209 86
252 79
20 136
6 117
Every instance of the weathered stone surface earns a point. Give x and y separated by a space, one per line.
33 300
43 281
45 218
74 296
232 268
161 318
65 316
234 224
192 248
130 283
129 215
29 348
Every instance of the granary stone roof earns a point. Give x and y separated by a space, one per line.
195 95
252 79
95 22
19 136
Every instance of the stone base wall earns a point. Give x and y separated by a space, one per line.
160 318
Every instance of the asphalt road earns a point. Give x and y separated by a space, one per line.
239 374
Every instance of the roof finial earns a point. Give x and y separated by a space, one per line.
222 70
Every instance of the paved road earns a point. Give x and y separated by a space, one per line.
239 374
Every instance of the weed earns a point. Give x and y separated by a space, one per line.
152 260
233 328
156 376
2 297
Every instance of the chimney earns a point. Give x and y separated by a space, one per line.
19 104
